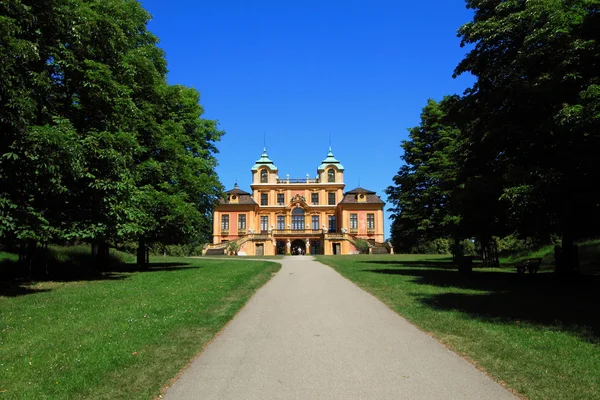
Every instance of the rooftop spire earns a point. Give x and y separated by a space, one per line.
331 160
264 160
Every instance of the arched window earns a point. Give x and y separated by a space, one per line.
297 219
264 178
330 175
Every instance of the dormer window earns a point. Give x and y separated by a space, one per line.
331 175
264 178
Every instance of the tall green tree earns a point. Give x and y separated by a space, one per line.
175 171
86 114
422 191
534 111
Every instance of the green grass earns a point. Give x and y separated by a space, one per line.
538 334
122 335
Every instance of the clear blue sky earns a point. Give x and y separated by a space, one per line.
297 72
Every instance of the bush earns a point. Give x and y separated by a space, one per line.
361 245
176 250
513 245
232 248
435 246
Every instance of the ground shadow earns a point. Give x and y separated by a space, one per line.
441 263
14 281
547 299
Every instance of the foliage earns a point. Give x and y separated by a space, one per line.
361 245
517 152
422 189
58 342
512 244
95 144
233 247
533 113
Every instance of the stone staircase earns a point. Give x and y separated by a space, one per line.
374 247
214 252
379 250
219 249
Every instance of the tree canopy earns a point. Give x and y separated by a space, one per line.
95 144
528 129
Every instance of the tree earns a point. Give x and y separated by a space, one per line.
533 113
422 193
96 145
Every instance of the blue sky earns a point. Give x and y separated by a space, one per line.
300 72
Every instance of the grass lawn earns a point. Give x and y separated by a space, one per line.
122 336
538 334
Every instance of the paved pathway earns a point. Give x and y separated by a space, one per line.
311 334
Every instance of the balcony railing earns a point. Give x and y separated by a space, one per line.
291 232
371 231
298 180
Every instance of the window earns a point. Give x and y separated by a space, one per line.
298 219
331 198
280 199
332 223
370 221
330 175
264 199
280 222
264 223
242 222
264 177
225 222
353 221
315 222
314 198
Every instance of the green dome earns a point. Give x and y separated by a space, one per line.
264 161
330 160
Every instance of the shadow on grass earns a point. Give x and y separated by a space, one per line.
16 282
441 263
546 299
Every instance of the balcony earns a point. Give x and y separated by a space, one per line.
296 232
371 231
297 180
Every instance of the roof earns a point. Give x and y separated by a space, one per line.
243 197
264 161
351 197
359 190
330 160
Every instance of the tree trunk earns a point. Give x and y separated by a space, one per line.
142 252
457 250
567 256
489 253
100 253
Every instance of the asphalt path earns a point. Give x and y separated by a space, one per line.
311 334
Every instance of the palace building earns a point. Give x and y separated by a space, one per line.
298 216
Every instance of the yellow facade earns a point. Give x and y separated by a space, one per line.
297 216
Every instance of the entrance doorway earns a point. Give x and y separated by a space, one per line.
281 247
260 249
315 247
336 248
298 247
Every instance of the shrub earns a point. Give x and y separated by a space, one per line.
361 245
232 248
